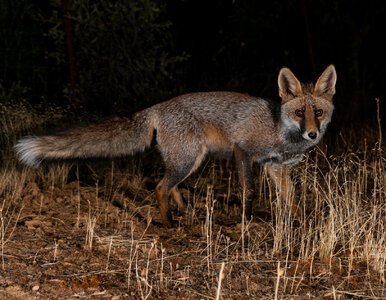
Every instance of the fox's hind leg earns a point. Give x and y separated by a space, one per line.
167 186
176 194
164 188
176 172
181 142
244 166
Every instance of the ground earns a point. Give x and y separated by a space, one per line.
70 241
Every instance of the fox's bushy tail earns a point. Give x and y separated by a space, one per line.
114 138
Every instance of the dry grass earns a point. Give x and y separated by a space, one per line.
94 229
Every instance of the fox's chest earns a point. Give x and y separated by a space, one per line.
286 154
280 158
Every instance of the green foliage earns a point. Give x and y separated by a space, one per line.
121 53
26 72
17 47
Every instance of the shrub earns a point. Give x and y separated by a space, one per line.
121 53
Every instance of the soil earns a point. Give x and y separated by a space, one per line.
71 243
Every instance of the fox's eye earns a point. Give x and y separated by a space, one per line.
299 113
318 112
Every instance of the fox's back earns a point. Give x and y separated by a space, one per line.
221 118
212 105
225 110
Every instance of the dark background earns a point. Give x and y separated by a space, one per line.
129 54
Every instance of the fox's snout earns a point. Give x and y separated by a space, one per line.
310 126
311 135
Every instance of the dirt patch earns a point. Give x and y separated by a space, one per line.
72 243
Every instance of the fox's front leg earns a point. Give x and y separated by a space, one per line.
282 180
244 166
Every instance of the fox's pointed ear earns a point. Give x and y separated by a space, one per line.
325 86
289 85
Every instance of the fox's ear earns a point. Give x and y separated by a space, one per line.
325 86
289 85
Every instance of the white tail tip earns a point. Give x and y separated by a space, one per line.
26 152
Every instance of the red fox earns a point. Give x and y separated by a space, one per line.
190 126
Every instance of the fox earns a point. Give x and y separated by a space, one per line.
189 127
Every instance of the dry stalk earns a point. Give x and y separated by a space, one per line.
90 231
243 222
209 205
133 254
220 278
280 273
108 254
78 197
161 277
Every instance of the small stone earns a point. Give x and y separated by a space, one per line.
35 288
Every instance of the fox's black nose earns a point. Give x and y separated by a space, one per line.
312 135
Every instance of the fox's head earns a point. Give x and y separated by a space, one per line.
307 109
